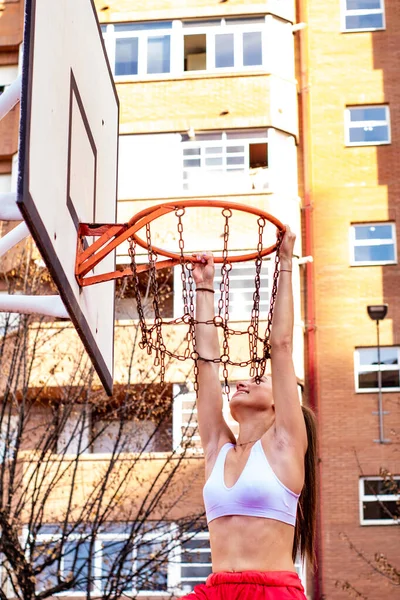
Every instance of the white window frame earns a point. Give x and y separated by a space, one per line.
376 242
363 124
172 572
225 170
143 35
177 33
374 369
179 397
364 11
363 498
301 570
237 31
202 535
178 411
11 422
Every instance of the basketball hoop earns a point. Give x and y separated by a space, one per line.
152 335
154 212
152 339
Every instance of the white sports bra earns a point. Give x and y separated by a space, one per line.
257 493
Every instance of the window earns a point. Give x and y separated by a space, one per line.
195 559
223 44
185 418
8 436
241 290
363 15
379 501
140 49
8 74
227 161
9 322
141 574
368 372
373 244
367 125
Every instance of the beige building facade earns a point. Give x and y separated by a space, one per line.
290 107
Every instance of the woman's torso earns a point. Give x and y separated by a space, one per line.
241 542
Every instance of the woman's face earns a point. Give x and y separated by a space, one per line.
251 394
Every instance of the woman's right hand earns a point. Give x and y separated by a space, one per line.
203 269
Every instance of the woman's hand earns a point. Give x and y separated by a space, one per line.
203 269
287 245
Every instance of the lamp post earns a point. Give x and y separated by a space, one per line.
377 313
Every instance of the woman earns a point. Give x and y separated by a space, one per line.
260 489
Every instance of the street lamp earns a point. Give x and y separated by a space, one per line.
377 313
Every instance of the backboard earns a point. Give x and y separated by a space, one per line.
68 157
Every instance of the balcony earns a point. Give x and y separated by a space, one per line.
209 102
215 163
167 9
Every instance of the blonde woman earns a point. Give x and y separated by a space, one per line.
259 493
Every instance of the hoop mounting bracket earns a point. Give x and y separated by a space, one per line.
110 236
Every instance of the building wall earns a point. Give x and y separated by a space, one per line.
11 32
258 99
351 185
117 10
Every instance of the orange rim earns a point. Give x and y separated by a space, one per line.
154 212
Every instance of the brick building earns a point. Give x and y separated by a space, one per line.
213 96
351 126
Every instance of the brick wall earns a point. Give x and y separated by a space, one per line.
358 184
11 31
11 24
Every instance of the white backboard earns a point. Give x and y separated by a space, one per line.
68 157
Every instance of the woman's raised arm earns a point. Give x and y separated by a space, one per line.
289 420
212 426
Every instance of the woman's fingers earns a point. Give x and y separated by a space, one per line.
203 258
287 245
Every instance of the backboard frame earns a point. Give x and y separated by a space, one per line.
26 201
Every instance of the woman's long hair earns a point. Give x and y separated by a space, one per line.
304 533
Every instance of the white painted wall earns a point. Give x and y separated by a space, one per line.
5 183
282 157
149 166
8 73
280 48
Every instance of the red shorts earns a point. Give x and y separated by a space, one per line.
250 585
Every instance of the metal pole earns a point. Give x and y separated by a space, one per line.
380 405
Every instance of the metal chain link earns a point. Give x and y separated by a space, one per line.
188 292
152 337
142 321
160 348
256 365
274 291
223 303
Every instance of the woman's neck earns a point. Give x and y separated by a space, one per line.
254 426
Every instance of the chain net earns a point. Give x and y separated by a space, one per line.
152 333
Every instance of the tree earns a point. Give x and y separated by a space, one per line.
71 521
379 563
